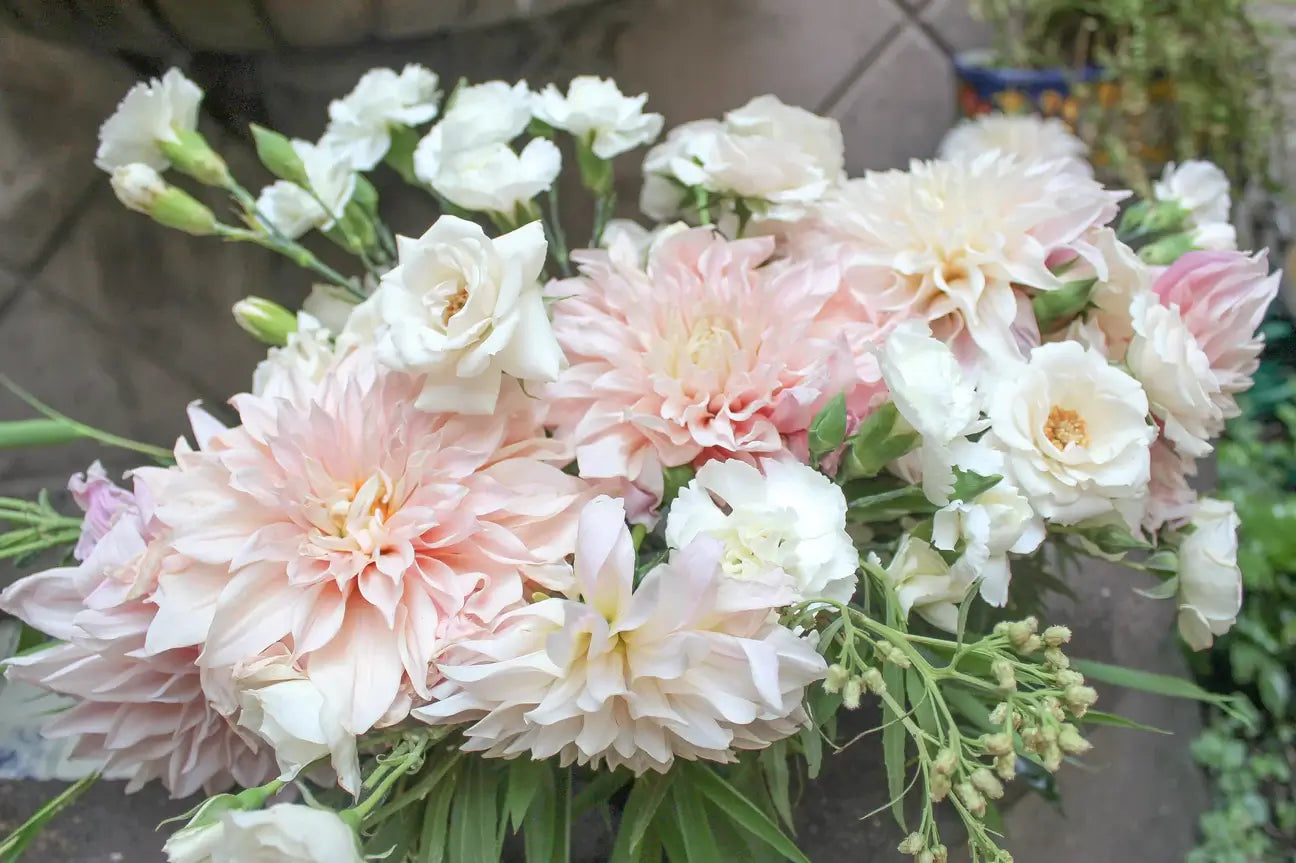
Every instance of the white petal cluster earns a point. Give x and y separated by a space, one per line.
1210 583
149 113
777 158
468 157
1201 188
596 112
1027 136
284 833
293 210
688 664
462 310
360 123
924 583
138 186
297 366
779 523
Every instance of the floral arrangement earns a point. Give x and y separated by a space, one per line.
505 533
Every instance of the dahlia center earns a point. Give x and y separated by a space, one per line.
710 345
1064 427
366 505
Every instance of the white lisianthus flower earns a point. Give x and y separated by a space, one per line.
138 186
785 520
298 365
293 210
595 111
1210 583
462 310
282 706
489 113
777 157
360 122
1198 186
149 113
688 664
924 583
488 178
1027 136
289 209
1074 433
930 391
1182 389
284 833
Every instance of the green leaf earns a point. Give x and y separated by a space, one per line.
774 764
400 156
13 846
894 740
538 831
674 479
971 708
30 433
699 841
595 172
646 796
1165 590
706 781
889 505
563 809
882 438
600 789
924 711
1147 681
474 817
1055 309
969 485
524 779
434 835
1097 717
828 428
1275 689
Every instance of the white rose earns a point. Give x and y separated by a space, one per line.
298 365
1210 583
282 706
284 833
149 113
595 111
1074 433
489 113
138 186
463 310
1182 389
489 177
923 582
789 521
360 122
1198 186
289 209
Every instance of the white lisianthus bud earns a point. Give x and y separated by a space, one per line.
265 319
285 832
142 189
138 186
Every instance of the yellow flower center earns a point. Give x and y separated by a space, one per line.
454 305
1064 427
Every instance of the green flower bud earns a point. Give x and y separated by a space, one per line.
1066 677
998 744
939 853
836 678
180 210
277 154
827 429
945 762
265 319
881 439
873 681
1051 758
1006 767
1056 309
1167 250
190 153
926 857
1079 699
1031 645
939 787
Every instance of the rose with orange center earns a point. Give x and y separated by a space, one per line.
1074 433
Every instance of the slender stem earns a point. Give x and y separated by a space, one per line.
604 207
106 438
395 769
556 236
294 251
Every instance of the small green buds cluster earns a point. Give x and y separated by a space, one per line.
853 686
916 846
887 652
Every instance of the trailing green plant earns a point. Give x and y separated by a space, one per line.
1209 58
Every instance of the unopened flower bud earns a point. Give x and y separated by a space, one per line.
926 857
1018 632
138 186
939 853
1079 699
1054 658
1056 636
1070 741
265 319
945 762
1051 758
913 844
1032 740
1004 674
143 190
997 744
851 693
971 798
190 153
873 681
1031 645
1054 708
1006 767
986 782
999 715
1066 677
939 787
835 679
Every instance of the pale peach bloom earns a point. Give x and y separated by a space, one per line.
688 664
1171 500
708 352
363 533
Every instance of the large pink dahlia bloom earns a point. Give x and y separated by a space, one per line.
710 351
140 713
362 533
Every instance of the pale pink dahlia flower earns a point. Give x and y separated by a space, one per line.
142 714
957 242
709 352
688 664
1222 298
363 532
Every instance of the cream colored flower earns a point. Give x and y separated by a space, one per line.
138 186
360 123
782 521
1210 583
289 209
463 310
924 583
1029 137
149 113
1198 186
284 833
298 365
1074 433
594 111
490 177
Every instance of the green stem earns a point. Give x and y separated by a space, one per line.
604 206
295 252
106 438
557 238
383 779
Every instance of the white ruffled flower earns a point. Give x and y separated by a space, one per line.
930 391
289 209
1182 389
463 310
138 186
282 706
149 113
1198 186
489 113
789 521
595 111
293 210
284 833
330 305
1210 583
1215 237
490 178
924 583
778 157
360 123
297 366
1127 277
1027 136
688 664
1074 433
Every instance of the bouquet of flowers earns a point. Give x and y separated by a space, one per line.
505 534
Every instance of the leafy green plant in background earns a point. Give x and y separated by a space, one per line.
1251 762
1210 55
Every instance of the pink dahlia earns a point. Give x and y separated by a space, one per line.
707 352
141 713
1222 298
362 533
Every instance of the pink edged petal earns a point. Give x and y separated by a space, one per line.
360 670
256 609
